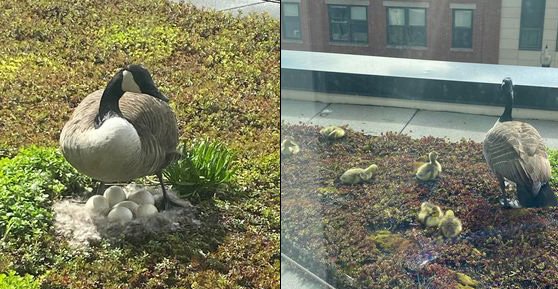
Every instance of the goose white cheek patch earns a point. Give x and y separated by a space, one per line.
129 83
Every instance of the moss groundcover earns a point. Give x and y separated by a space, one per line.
222 75
367 235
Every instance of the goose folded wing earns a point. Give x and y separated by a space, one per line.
155 123
515 150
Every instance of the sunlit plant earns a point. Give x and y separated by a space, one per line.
205 166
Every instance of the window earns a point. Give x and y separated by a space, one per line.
348 23
291 21
462 34
532 22
406 26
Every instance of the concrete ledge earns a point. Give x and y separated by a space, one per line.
523 113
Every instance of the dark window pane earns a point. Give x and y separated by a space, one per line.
532 22
462 33
348 23
291 21
396 35
417 36
360 31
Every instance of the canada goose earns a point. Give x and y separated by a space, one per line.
332 132
357 175
515 151
430 170
123 132
289 147
450 225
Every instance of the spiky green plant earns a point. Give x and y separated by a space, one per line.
204 167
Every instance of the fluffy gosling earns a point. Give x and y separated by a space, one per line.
450 225
332 132
357 175
430 170
289 147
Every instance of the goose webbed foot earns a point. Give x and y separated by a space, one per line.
510 203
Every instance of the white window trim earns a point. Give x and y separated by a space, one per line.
349 2
463 6
406 4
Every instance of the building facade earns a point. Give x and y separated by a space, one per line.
527 27
452 30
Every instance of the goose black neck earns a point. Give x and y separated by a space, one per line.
108 106
507 115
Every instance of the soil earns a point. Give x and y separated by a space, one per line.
367 235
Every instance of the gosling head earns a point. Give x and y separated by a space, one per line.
433 156
136 78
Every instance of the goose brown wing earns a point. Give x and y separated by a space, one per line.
156 125
516 151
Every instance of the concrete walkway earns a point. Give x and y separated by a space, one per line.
239 6
417 123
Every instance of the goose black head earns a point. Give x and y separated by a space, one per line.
135 78
507 87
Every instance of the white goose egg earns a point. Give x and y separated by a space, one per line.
146 210
114 195
141 197
128 204
120 214
97 204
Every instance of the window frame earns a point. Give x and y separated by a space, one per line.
407 42
454 28
524 30
351 24
284 21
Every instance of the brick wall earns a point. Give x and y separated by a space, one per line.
486 31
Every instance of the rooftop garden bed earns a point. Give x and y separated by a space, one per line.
367 235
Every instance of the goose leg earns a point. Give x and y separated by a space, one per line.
165 198
101 188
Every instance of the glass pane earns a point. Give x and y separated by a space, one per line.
358 13
290 9
360 31
340 32
292 27
396 35
530 38
417 36
417 17
532 13
339 13
396 16
463 18
462 38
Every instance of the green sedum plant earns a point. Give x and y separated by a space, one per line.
204 167
13 281
28 183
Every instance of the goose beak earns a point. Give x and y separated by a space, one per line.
156 93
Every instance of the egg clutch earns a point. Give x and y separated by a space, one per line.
119 206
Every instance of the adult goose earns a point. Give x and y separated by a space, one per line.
515 151
123 132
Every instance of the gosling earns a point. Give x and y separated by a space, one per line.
358 175
332 132
289 147
431 170
450 225
430 214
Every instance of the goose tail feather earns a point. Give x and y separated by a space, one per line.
544 198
